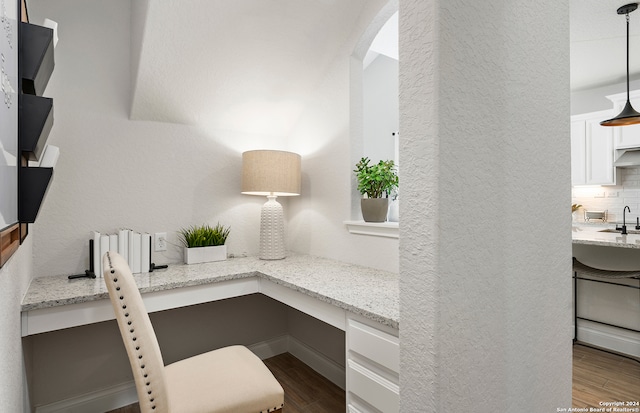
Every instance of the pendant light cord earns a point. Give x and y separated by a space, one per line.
628 115
627 55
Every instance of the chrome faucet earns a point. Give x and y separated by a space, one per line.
624 220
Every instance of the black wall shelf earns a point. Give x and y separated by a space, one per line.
35 57
36 121
33 184
35 118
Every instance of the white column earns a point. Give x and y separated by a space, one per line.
485 238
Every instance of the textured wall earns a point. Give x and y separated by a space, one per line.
14 280
156 177
485 306
114 172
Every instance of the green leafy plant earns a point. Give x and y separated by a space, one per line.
376 180
203 235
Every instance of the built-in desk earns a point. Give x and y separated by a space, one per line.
361 301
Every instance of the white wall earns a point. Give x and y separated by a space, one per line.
593 100
611 198
324 135
380 108
15 276
113 172
151 176
158 177
485 307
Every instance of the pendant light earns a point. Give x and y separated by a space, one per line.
628 116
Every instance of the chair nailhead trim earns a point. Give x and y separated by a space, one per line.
133 338
273 409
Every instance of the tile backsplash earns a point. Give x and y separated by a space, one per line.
611 198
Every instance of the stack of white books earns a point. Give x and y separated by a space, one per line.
134 247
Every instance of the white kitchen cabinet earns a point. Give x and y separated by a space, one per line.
373 367
592 150
626 136
578 153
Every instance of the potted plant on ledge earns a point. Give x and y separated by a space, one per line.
204 243
375 182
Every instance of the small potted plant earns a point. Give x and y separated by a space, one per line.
574 209
375 182
204 243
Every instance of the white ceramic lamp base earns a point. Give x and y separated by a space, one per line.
272 230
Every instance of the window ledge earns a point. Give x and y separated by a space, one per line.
376 229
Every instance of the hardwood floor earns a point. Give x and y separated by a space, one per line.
305 391
597 376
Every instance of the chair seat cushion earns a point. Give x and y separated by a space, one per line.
231 379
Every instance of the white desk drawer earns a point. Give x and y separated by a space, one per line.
372 388
376 345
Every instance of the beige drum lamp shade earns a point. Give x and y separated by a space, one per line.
267 172
271 173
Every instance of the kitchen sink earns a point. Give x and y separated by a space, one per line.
629 231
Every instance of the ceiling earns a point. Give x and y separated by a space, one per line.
250 66
385 43
598 43
246 66
597 50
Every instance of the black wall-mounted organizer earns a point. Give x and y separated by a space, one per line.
35 118
36 58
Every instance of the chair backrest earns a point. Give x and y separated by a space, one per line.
137 334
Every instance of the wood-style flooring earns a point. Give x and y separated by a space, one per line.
597 376
305 391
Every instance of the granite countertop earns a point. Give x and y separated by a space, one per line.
371 293
591 234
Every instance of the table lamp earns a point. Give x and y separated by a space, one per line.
271 174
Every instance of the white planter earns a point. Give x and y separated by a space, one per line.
394 211
205 254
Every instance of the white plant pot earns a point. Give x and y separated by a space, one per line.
205 254
394 211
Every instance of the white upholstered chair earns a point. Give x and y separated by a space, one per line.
231 379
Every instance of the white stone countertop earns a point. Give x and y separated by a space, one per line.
591 234
371 293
